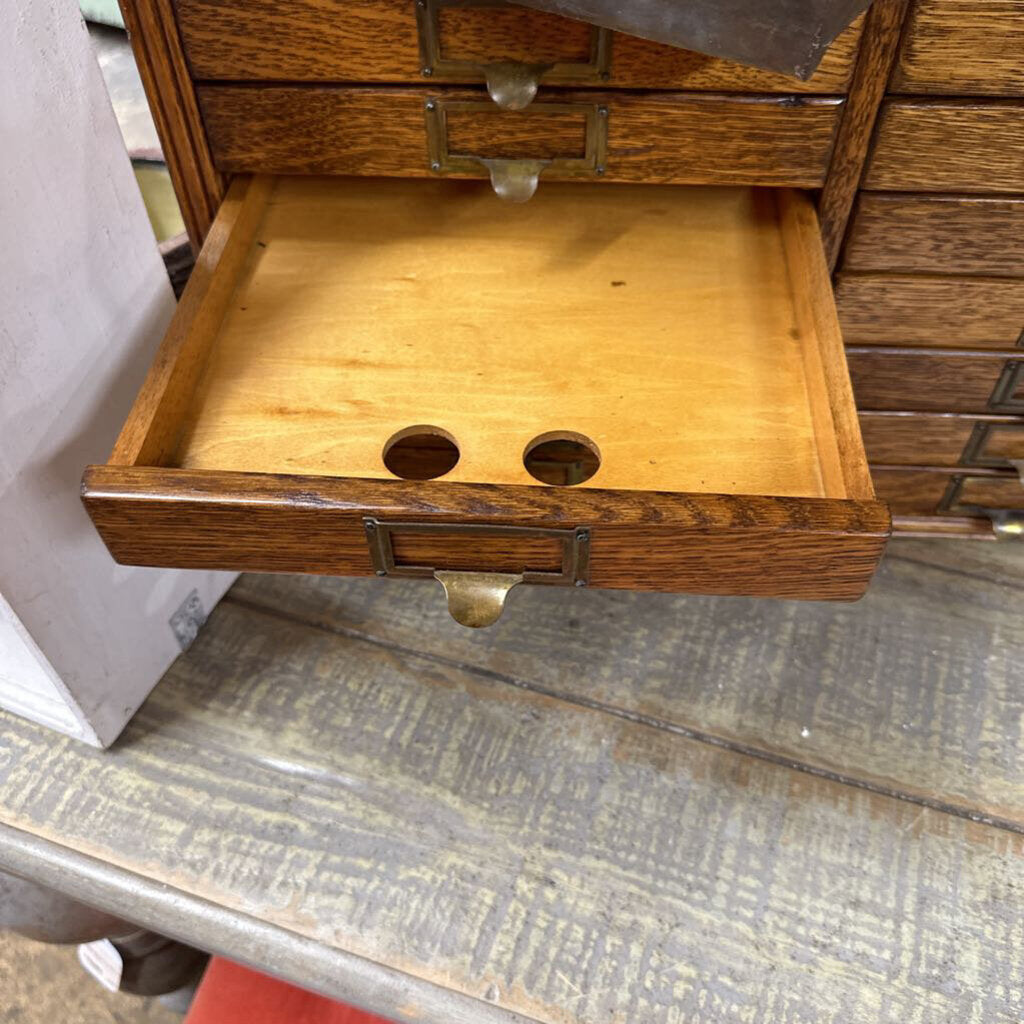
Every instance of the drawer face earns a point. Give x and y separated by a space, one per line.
937 235
379 41
942 439
331 323
912 492
962 47
939 146
898 379
939 312
663 138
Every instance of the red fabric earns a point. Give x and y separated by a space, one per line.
231 994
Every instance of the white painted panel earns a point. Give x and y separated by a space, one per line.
84 300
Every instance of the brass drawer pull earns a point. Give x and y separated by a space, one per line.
1007 523
477 598
511 84
515 179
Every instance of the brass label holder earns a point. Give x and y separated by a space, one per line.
477 599
511 84
515 179
1007 524
1005 395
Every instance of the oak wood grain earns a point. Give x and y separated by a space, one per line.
927 380
963 47
921 490
940 439
376 41
944 312
681 138
948 146
791 547
355 793
937 235
198 185
875 58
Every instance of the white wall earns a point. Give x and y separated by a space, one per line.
83 301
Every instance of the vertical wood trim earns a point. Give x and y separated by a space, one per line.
172 101
150 433
844 465
878 51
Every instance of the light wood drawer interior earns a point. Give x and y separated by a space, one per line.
688 337
962 47
678 138
378 41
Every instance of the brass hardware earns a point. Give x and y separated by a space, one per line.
1004 394
511 84
476 599
1007 524
515 179
981 435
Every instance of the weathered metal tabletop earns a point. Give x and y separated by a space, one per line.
609 807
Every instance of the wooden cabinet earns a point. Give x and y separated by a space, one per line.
379 368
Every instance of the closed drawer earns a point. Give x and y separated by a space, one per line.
361 359
940 312
948 492
937 235
945 146
394 41
942 439
963 47
932 381
656 137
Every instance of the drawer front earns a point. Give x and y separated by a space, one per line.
680 138
382 41
942 439
963 47
912 492
937 235
935 146
940 312
917 379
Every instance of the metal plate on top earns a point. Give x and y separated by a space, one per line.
789 36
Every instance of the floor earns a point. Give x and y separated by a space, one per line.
653 808
42 984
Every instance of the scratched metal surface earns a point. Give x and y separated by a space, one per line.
434 811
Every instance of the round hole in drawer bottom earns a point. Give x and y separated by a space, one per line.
421 453
562 458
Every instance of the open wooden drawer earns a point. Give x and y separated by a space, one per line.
644 388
